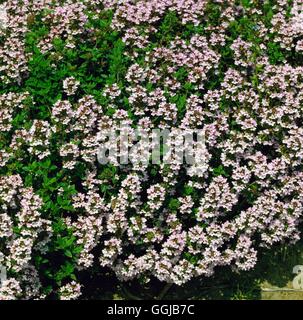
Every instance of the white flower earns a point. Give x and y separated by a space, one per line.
3 17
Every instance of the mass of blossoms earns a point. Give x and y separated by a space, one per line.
70 70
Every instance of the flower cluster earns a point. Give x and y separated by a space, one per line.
70 86
70 291
233 71
22 233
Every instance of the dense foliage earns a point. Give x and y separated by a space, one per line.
70 69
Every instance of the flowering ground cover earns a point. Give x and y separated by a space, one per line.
71 70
